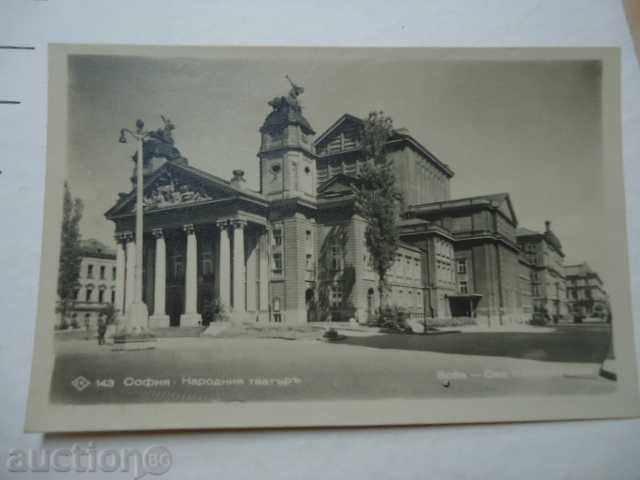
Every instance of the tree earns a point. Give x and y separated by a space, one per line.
378 198
70 253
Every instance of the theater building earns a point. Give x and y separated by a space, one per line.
294 251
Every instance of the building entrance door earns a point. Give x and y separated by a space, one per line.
175 304
370 307
310 302
175 279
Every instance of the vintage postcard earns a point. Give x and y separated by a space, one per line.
293 237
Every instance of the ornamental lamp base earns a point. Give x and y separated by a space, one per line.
133 332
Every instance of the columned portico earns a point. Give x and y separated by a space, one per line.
159 317
214 250
191 317
239 273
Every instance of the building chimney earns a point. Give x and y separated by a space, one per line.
547 225
237 181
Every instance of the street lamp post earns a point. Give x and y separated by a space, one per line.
135 324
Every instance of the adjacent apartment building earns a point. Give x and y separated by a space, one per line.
542 251
586 297
97 283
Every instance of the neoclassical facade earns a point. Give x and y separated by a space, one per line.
294 251
206 244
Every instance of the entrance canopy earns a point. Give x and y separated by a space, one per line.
464 304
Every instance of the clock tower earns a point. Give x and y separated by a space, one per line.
287 159
288 181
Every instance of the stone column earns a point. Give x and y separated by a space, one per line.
191 317
252 273
130 271
238 270
159 317
224 265
264 271
120 273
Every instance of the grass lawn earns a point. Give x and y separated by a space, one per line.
566 344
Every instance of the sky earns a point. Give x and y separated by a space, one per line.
529 128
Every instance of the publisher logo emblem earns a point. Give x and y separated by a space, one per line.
80 383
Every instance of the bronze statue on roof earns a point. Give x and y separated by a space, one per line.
160 144
287 111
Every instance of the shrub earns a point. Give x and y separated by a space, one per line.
333 335
539 319
393 319
63 325
540 316
215 311
109 313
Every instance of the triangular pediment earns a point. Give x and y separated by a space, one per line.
344 134
338 185
175 186
506 207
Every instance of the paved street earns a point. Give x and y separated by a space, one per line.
379 366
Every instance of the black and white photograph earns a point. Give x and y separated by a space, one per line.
243 237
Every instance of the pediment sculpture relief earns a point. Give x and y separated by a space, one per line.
169 192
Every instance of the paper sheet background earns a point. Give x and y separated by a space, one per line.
558 450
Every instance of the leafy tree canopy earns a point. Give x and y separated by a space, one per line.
70 251
377 196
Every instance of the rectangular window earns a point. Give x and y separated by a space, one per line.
335 296
462 265
277 237
113 296
296 177
89 271
336 258
113 273
309 262
103 271
308 236
277 315
277 262
178 266
463 287
101 296
88 295
207 266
